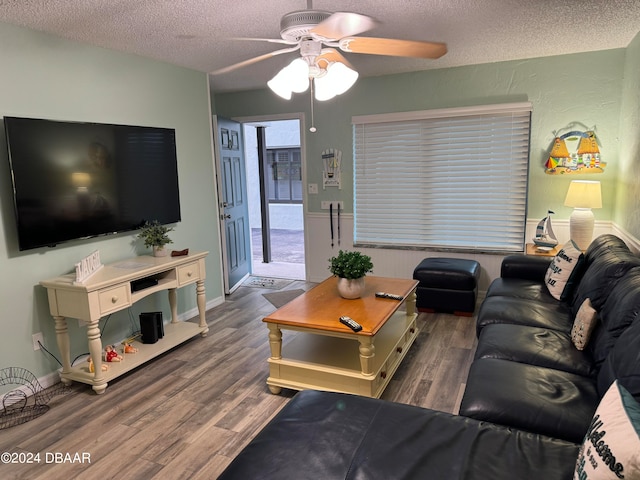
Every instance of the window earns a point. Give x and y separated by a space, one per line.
443 179
284 174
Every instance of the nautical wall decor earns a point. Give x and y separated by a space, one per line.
575 152
332 162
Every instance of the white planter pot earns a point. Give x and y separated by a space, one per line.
351 287
160 252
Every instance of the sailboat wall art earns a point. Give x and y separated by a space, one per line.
545 238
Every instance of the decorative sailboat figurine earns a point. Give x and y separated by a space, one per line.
545 238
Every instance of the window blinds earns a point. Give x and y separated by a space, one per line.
443 179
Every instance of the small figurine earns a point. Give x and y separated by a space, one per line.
111 355
128 348
92 368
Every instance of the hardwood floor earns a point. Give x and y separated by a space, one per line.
189 412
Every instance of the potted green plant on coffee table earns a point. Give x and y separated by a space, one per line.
350 267
155 235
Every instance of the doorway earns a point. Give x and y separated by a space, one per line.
275 197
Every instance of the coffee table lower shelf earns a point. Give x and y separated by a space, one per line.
318 361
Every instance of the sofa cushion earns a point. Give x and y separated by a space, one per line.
623 362
601 276
324 435
583 325
520 288
621 309
556 316
564 271
611 447
537 399
604 243
536 346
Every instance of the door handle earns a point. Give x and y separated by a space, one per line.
226 216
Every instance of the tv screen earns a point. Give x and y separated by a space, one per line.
76 180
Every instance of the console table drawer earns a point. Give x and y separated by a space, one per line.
114 299
188 273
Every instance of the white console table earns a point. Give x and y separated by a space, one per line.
110 290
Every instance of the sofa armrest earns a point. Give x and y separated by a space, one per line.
525 267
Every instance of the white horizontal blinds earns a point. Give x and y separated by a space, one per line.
456 181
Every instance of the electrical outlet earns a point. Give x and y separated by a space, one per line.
324 205
37 337
312 188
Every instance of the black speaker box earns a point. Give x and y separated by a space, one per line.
151 326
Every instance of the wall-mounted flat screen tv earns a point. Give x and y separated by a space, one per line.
75 180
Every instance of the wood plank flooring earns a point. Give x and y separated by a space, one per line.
189 412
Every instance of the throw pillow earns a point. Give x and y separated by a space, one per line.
611 447
564 271
583 325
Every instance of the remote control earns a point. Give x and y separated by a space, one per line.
388 295
351 323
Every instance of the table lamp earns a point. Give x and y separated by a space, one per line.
583 195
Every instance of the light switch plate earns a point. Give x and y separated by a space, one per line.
312 188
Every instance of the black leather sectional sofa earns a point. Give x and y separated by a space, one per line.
529 399
527 373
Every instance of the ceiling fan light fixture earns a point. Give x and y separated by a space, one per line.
338 79
292 78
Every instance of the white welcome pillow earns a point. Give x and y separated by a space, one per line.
611 447
564 271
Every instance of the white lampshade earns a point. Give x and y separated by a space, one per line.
292 78
338 79
583 195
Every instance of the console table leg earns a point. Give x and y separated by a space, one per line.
275 341
367 352
62 337
95 350
173 304
201 301
274 389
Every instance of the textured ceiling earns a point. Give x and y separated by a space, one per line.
198 33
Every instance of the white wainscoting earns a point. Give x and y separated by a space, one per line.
401 263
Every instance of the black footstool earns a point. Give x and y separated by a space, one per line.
447 285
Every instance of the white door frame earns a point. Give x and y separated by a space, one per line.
303 154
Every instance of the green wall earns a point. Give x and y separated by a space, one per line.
47 77
627 214
578 91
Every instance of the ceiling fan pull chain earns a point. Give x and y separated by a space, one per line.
313 126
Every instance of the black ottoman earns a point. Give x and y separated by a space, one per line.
447 285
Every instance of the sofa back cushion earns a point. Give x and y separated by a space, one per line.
606 265
620 309
604 243
623 361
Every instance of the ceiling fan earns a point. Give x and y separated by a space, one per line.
317 35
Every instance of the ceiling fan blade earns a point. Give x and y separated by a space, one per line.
270 40
392 47
343 24
332 55
253 60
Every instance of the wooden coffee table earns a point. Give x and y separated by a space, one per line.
327 355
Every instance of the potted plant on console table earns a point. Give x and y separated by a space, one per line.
350 268
155 235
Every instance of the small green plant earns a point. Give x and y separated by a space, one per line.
154 234
350 264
